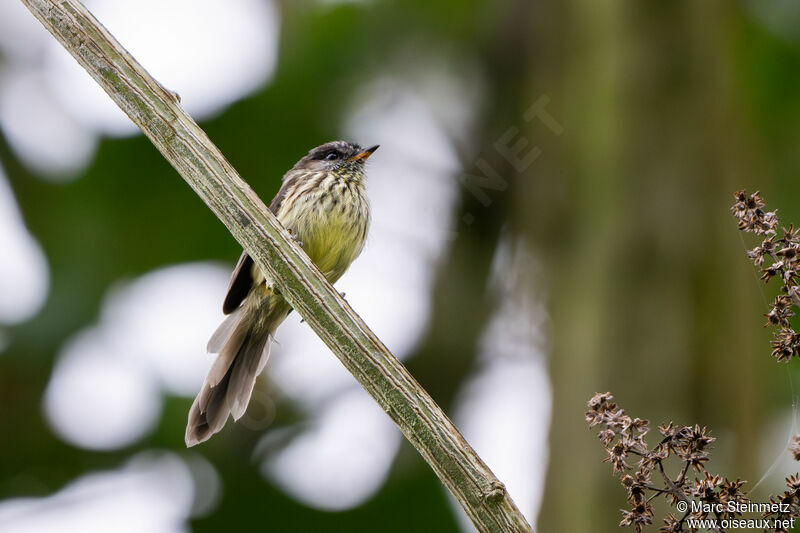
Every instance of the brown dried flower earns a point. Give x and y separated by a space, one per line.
777 258
706 497
794 447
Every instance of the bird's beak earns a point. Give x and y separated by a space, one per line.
363 156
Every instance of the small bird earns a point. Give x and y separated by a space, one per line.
323 204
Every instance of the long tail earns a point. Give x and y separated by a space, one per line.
243 351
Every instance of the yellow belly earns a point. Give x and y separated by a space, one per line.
332 244
332 236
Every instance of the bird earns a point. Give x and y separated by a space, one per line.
323 204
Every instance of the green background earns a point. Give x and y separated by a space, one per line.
667 108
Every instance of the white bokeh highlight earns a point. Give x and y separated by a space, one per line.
504 410
96 400
23 39
152 493
108 381
165 318
44 136
211 53
342 459
24 273
38 128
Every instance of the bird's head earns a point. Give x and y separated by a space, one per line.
341 157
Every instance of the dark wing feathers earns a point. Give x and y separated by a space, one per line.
242 278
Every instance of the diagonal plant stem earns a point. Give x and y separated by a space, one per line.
157 112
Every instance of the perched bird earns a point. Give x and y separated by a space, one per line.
323 204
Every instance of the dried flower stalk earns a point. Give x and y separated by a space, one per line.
777 258
683 449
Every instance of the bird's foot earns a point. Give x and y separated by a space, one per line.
295 237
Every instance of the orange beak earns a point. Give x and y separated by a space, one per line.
363 156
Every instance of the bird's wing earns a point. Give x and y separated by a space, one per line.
241 281
242 278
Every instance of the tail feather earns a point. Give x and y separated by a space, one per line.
227 355
245 370
211 418
223 333
229 384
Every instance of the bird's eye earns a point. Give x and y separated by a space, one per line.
332 156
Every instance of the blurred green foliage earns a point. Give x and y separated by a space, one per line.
667 110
